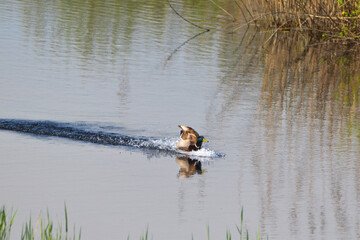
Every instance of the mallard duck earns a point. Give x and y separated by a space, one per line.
190 139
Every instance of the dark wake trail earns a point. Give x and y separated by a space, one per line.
73 131
85 132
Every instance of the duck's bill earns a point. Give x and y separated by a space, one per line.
204 140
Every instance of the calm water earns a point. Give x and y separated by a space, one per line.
286 117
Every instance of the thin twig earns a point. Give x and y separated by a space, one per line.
247 9
229 14
272 35
242 12
188 40
177 13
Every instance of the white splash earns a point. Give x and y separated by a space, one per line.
202 153
165 143
170 144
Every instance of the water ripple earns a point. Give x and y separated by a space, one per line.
84 132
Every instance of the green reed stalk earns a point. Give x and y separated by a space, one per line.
47 229
5 224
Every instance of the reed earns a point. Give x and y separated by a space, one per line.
6 222
320 83
48 230
146 236
337 20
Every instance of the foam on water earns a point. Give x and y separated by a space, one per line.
88 133
203 153
170 144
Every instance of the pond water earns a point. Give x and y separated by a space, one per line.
281 116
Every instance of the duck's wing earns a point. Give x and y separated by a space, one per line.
189 134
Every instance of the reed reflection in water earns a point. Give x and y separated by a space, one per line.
307 161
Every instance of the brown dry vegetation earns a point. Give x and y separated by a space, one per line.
323 19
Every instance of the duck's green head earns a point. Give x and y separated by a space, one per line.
200 140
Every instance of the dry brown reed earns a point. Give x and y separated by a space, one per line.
323 19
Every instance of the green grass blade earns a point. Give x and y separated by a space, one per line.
228 235
208 232
242 217
66 220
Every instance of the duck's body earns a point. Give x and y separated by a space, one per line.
190 140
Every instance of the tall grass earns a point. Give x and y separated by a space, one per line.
323 19
47 231
243 233
6 222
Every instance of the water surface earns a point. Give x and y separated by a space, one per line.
283 112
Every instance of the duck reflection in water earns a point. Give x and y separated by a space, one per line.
188 167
